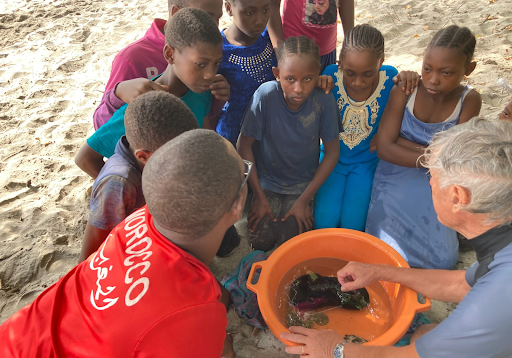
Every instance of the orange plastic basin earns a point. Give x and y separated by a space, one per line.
342 244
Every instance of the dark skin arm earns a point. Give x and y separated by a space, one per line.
93 238
470 107
301 209
274 25
346 11
89 161
388 134
260 206
394 149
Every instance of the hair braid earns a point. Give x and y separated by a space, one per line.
298 45
363 37
455 37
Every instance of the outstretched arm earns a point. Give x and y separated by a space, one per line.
441 285
321 343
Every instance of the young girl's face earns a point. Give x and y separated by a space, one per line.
506 114
443 69
196 66
297 75
249 16
360 72
321 6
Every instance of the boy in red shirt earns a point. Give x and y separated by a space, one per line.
147 291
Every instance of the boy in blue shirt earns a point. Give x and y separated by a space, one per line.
151 120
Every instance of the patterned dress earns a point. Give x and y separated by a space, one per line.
343 199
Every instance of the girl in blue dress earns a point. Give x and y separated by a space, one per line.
362 87
248 58
401 210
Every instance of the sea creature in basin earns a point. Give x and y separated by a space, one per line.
313 291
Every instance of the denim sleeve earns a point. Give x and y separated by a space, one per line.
112 200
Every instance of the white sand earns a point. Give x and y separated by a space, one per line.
55 60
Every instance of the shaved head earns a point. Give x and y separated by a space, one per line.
190 182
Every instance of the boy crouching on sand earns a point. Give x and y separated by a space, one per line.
151 120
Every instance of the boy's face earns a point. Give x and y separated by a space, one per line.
506 114
249 16
297 75
196 66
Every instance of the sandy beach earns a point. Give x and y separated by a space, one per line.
55 58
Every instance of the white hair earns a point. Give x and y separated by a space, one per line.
477 156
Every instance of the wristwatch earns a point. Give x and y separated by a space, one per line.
338 350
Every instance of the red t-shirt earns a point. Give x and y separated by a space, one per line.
139 295
315 19
143 58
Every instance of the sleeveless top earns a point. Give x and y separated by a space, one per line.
401 211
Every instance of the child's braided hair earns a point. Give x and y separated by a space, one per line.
298 45
455 37
363 38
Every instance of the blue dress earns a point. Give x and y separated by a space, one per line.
401 209
343 199
245 69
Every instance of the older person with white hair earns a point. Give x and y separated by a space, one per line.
471 180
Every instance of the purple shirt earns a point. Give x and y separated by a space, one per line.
142 58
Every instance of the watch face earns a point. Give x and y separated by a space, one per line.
338 351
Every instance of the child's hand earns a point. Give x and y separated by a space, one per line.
325 83
373 143
303 215
408 80
220 88
127 91
259 208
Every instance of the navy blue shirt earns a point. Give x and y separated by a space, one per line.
245 69
290 140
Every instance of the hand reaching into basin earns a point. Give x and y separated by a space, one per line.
357 275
